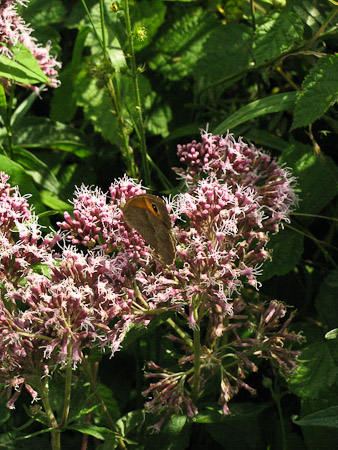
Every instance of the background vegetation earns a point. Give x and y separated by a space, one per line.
265 70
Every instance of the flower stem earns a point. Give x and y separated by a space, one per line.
87 370
68 386
42 388
180 332
134 75
197 363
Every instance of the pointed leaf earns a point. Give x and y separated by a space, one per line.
22 67
278 34
319 92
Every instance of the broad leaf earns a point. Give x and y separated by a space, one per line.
278 34
22 67
181 45
268 105
319 92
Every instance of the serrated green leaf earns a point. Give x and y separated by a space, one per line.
286 250
226 52
317 369
181 46
325 418
319 92
22 67
278 34
316 178
267 105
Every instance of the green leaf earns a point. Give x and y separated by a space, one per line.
325 418
149 15
286 249
226 52
266 139
43 133
319 92
316 178
128 423
309 14
181 45
277 35
21 110
229 432
267 105
19 177
40 13
159 114
115 36
326 302
92 430
175 434
3 101
38 170
54 202
332 334
23 67
317 370
97 107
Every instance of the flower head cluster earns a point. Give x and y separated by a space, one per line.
97 221
53 305
14 29
22 243
240 164
265 339
235 197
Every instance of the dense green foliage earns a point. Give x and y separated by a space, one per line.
266 71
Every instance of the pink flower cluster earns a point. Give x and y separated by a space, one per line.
13 29
235 197
240 164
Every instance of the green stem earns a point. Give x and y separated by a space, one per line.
197 363
104 45
87 370
120 121
180 332
92 24
277 398
145 164
111 87
68 387
42 388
